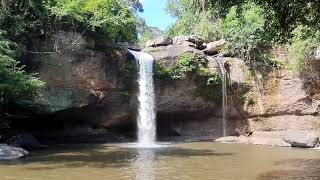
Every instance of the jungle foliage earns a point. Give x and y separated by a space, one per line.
115 19
251 26
16 85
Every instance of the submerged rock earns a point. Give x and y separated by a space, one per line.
301 138
11 153
159 41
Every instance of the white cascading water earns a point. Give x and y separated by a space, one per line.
224 95
147 113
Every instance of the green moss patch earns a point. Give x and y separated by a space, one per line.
193 65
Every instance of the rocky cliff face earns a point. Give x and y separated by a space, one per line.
276 100
89 83
91 87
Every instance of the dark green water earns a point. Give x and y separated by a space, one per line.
198 161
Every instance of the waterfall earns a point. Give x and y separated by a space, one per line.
146 122
224 95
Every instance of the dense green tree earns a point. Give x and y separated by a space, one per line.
20 18
16 85
244 32
176 8
116 21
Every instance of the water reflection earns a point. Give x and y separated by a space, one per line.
303 169
144 164
202 160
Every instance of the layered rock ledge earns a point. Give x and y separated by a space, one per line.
91 91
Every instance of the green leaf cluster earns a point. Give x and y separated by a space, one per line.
195 65
16 84
22 18
301 49
244 31
195 23
112 18
188 63
115 21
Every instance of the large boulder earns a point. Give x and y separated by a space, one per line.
301 138
169 55
135 46
159 41
87 80
214 47
11 153
194 39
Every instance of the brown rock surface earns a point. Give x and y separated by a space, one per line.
159 41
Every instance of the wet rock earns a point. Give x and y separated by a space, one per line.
11 153
159 41
26 141
214 47
301 138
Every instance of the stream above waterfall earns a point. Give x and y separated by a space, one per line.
196 160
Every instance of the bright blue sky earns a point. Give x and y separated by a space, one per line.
155 14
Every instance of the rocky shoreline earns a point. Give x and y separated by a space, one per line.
289 138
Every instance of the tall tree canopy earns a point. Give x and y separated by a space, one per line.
114 18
